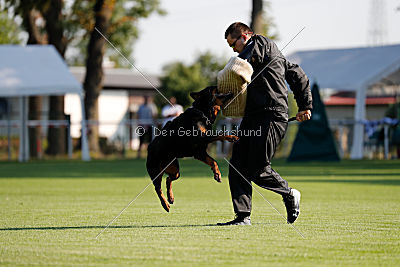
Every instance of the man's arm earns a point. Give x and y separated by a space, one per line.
300 85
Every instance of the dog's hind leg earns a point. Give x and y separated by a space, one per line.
173 174
170 194
157 187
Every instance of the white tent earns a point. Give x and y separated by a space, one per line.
36 70
353 69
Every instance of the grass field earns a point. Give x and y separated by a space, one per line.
52 211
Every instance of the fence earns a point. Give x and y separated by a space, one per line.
378 141
9 130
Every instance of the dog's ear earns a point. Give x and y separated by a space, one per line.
195 95
213 89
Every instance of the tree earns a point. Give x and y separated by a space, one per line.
9 30
180 79
72 23
210 65
51 31
29 16
52 13
94 72
105 24
123 28
261 22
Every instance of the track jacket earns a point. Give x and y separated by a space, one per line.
268 91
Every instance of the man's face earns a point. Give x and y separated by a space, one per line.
237 44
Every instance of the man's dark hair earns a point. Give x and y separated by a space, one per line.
236 29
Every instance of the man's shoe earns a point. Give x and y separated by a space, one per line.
292 203
238 221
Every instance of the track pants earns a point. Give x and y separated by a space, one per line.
251 156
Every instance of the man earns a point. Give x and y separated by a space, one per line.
145 117
169 112
266 109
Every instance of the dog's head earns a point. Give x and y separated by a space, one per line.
209 101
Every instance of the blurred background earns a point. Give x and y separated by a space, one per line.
56 68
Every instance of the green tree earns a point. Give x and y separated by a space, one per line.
123 28
210 65
180 79
9 29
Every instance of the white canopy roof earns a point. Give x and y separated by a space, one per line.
34 70
348 69
351 69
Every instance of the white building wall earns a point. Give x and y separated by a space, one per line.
113 106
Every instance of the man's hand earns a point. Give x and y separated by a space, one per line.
303 115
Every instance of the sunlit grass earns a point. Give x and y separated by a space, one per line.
52 211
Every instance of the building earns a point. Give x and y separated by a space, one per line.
123 92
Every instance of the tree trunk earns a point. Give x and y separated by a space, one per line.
29 23
94 72
257 21
35 110
35 102
56 136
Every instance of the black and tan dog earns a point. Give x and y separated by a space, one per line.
186 136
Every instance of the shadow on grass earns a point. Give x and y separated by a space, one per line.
93 169
126 168
103 226
394 182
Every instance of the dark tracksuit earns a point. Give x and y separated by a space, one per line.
266 108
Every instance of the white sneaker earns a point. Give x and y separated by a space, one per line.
292 203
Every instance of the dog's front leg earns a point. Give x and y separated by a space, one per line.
229 138
204 157
208 139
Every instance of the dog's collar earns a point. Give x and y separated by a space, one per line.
208 121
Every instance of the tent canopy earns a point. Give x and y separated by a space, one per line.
34 70
352 69
348 69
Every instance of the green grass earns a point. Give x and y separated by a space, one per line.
51 212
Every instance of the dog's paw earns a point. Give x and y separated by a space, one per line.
165 206
171 199
217 177
232 138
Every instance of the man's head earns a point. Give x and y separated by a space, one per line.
237 35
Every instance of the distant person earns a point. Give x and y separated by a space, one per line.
169 112
145 117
